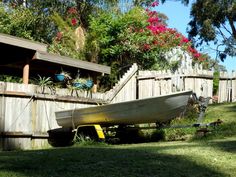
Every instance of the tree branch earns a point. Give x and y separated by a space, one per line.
231 23
222 34
227 29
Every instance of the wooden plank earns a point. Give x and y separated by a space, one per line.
234 91
2 119
36 96
127 93
39 143
222 91
2 114
21 42
17 119
17 143
123 81
161 76
146 88
53 58
225 86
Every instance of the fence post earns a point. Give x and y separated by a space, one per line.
233 86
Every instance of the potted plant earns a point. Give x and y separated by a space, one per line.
89 84
44 82
79 83
62 76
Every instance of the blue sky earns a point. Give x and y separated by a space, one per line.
179 16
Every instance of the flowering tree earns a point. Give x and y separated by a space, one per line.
69 40
163 39
139 36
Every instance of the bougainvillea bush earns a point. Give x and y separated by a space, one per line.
140 36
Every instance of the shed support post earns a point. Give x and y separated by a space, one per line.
95 81
26 73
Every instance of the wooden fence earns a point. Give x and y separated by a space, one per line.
136 84
227 87
26 114
126 88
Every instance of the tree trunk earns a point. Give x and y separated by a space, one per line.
231 23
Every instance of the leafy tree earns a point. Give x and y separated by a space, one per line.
19 22
69 40
140 36
42 28
32 17
185 2
214 20
92 7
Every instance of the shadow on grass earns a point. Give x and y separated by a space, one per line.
100 161
227 129
230 107
227 146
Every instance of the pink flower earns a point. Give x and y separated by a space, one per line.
74 21
146 47
155 42
152 13
157 28
184 40
196 55
153 19
141 30
191 50
155 3
72 10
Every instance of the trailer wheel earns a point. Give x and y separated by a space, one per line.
61 137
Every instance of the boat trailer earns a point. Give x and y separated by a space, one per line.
66 136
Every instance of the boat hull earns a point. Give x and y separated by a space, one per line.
150 110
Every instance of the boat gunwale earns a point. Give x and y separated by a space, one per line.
127 102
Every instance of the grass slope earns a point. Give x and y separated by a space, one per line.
214 156
224 112
227 113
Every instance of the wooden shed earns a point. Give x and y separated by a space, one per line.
25 113
21 57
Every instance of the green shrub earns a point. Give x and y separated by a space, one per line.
7 78
86 141
158 135
175 134
216 80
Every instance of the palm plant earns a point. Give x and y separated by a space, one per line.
44 82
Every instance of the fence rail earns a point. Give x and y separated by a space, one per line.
26 114
143 84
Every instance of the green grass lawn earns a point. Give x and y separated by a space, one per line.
211 156
224 112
